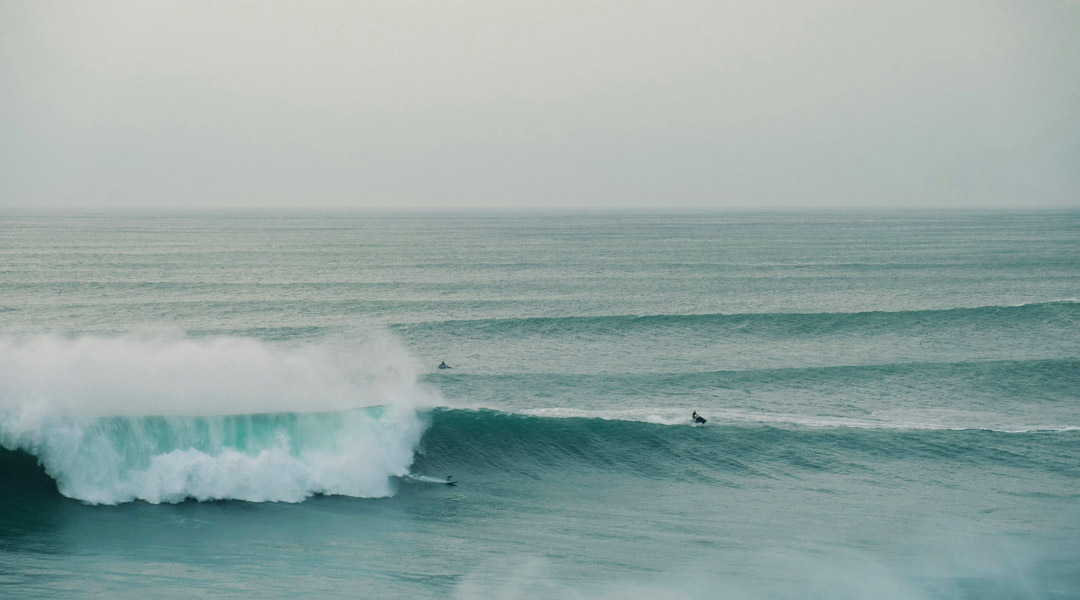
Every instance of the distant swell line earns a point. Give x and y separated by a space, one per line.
1069 309
1062 366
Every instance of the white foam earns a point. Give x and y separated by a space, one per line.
64 401
1061 301
661 416
681 416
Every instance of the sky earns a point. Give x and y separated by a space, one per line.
503 104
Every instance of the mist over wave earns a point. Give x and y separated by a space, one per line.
176 375
163 419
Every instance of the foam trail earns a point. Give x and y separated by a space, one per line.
893 421
165 419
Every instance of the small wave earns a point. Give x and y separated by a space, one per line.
778 323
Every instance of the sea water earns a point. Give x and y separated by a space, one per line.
246 404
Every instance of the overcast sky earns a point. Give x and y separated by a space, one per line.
504 104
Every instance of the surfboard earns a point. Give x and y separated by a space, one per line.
428 479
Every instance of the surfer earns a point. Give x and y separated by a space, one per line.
450 480
443 365
696 418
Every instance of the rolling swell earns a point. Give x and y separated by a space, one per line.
1051 379
487 440
1055 314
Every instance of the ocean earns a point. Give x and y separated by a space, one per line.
247 404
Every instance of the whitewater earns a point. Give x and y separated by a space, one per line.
116 419
247 404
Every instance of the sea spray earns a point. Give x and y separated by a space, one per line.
114 419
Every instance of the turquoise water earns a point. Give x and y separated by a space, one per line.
246 405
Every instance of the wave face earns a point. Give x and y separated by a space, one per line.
486 441
784 325
173 419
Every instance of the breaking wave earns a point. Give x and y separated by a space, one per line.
115 419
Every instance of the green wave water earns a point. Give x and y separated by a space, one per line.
257 458
480 440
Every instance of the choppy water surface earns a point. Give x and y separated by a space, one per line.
247 405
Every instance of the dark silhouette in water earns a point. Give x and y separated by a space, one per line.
443 365
697 419
450 480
